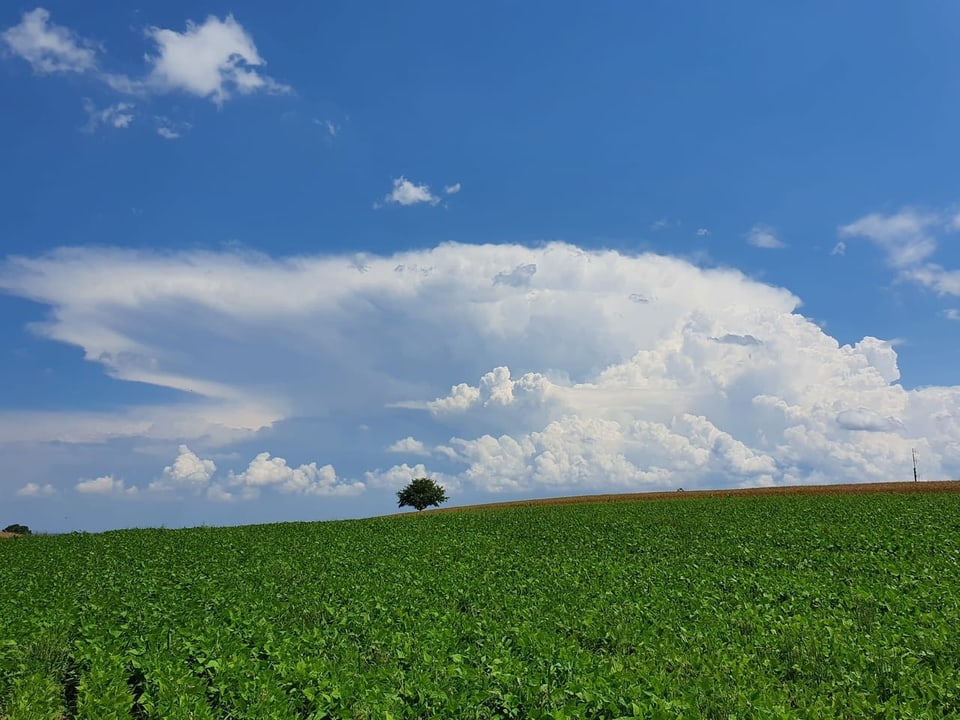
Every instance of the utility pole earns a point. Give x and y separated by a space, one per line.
914 453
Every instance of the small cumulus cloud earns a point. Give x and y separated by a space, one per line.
452 189
105 485
170 129
703 232
188 472
951 314
265 471
118 115
763 236
214 59
47 47
839 249
496 388
407 193
408 446
399 475
36 490
218 493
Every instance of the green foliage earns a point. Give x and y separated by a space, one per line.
18 529
780 607
421 493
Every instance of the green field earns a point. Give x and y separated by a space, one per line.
769 607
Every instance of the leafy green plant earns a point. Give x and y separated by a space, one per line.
818 606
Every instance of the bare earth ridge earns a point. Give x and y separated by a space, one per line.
933 486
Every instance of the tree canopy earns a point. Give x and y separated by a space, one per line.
421 493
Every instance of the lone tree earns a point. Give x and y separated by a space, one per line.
421 493
17 529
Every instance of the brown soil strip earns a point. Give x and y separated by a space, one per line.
938 486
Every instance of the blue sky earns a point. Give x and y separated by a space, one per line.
259 266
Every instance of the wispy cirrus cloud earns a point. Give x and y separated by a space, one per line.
908 239
903 236
119 115
49 48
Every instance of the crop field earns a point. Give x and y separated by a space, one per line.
815 606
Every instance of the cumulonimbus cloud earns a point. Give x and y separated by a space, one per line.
557 378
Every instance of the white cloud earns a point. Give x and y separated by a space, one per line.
866 420
215 421
331 128
218 493
659 224
461 397
951 314
908 240
904 236
215 60
398 476
117 115
407 193
104 485
36 490
563 380
839 249
941 281
452 189
408 446
188 472
703 232
170 129
763 236
49 48
497 388
265 471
